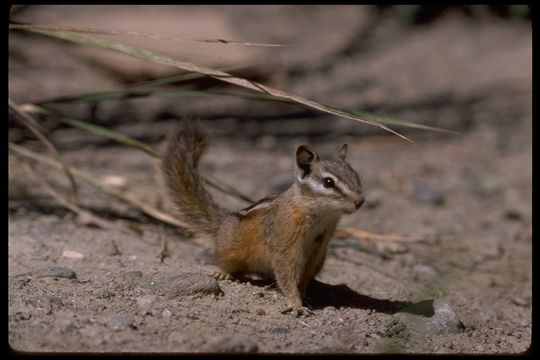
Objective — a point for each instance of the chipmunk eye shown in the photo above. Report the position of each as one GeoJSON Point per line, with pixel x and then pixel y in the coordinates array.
{"type": "Point", "coordinates": [328, 182]}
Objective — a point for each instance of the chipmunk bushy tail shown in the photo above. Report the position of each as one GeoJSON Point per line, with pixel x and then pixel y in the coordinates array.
{"type": "Point", "coordinates": [194, 204]}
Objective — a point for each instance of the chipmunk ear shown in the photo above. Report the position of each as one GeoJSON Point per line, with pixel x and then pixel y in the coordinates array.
{"type": "Point", "coordinates": [342, 152]}
{"type": "Point", "coordinates": [305, 158]}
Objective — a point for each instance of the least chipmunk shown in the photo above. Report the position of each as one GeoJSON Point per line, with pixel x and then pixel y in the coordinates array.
{"type": "Point", "coordinates": [284, 236]}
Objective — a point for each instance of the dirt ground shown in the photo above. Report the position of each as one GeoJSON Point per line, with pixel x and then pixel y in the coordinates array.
{"type": "Point", "coordinates": [466, 290]}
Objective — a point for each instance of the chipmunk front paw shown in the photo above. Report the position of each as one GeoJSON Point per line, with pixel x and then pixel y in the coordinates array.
{"type": "Point", "coordinates": [301, 311]}
{"type": "Point", "coordinates": [222, 276]}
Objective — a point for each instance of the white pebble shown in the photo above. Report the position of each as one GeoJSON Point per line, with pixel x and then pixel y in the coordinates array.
{"type": "Point", "coordinates": [166, 314]}
{"type": "Point", "coordinates": [115, 180]}
{"type": "Point", "coordinates": [72, 254]}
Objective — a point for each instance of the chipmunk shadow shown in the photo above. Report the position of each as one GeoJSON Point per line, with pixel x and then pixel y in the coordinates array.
{"type": "Point", "coordinates": [321, 295]}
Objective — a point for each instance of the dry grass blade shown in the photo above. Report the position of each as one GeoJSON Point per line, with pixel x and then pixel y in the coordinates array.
{"type": "Point", "coordinates": [127, 140]}
{"type": "Point", "coordinates": [367, 236]}
{"type": "Point", "coordinates": [226, 188]}
{"type": "Point", "coordinates": [394, 121]}
{"type": "Point", "coordinates": [136, 33]}
{"type": "Point", "coordinates": [34, 126]}
{"type": "Point", "coordinates": [126, 93]}
{"type": "Point", "coordinates": [85, 217]}
{"type": "Point", "coordinates": [155, 57]}
{"type": "Point", "coordinates": [118, 91]}
{"type": "Point", "coordinates": [125, 197]}
{"type": "Point", "coordinates": [94, 129]}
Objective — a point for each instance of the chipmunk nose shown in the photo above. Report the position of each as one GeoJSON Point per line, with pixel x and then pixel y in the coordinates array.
{"type": "Point", "coordinates": [358, 203]}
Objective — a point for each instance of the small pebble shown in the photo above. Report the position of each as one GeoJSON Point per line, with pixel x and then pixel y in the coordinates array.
{"type": "Point", "coordinates": [166, 314]}
{"type": "Point", "coordinates": [514, 214]}
{"type": "Point", "coordinates": [521, 301]}
{"type": "Point", "coordinates": [428, 194]}
{"type": "Point", "coordinates": [120, 321]}
{"type": "Point", "coordinates": [115, 181]}
{"type": "Point", "coordinates": [487, 187]}
{"type": "Point", "coordinates": [374, 199]}
{"type": "Point", "coordinates": [424, 272]}
{"type": "Point", "coordinates": [176, 337]}
{"type": "Point", "coordinates": [72, 254]}
{"type": "Point", "coordinates": [260, 312]}
{"type": "Point", "coordinates": [329, 309]}
{"type": "Point", "coordinates": [103, 294]}
{"type": "Point", "coordinates": [280, 330]}
{"type": "Point", "coordinates": [230, 344]}
{"type": "Point", "coordinates": [132, 277]}
{"type": "Point", "coordinates": [54, 271]}
{"type": "Point", "coordinates": [145, 302]}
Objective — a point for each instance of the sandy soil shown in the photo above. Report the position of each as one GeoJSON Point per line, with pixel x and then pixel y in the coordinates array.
{"type": "Point", "coordinates": [469, 290]}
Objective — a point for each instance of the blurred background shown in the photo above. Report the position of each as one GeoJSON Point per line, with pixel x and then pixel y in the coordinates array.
{"type": "Point", "coordinates": [457, 80]}
{"type": "Point", "coordinates": [433, 65]}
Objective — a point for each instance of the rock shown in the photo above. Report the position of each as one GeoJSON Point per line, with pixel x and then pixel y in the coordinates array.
{"type": "Point", "coordinates": [487, 187]}
{"type": "Point", "coordinates": [374, 199]}
{"type": "Point", "coordinates": [186, 284]}
{"type": "Point", "coordinates": [424, 272]}
{"type": "Point", "coordinates": [54, 271]}
{"type": "Point", "coordinates": [260, 312]}
{"type": "Point", "coordinates": [435, 317]}
{"type": "Point", "coordinates": [120, 321]}
{"type": "Point", "coordinates": [49, 303]}
{"type": "Point", "coordinates": [72, 254]}
{"type": "Point", "coordinates": [131, 277]}
{"type": "Point", "coordinates": [166, 314]}
{"type": "Point", "coordinates": [176, 337]}
{"type": "Point", "coordinates": [514, 214]}
{"type": "Point", "coordinates": [103, 293]}
{"type": "Point", "coordinates": [43, 257]}
{"type": "Point", "coordinates": [230, 344]}
{"type": "Point", "coordinates": [145, 303]}
{"type": "Point", "coordinates": [428, 194]}
{"type": "Point", "coordinates": [524, 301]}
{"type": "Point", "coordinates": [280, 330]}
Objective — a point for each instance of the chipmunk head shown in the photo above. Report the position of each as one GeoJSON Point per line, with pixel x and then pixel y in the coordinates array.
{"type": "Point", "coordinates": [330, 181]}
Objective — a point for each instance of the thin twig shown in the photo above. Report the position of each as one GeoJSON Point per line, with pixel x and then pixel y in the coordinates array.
{"type": "Point", "coordinates": [367, 236]}
{"type": "Point", "coordinates": [125, 197]}
{"type": "Point", "coordinates": [85, 216]}
{"type": "Point", "coordinates": [164, 250]}
{"type": "Point", "coordinates": [225, 188]}
{"type": "Point", "coordinates": [136, 33]}
{"type": "Point", "coordinates": [34, 126]}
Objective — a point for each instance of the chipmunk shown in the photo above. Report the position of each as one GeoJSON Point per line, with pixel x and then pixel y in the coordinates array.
{"type": "Point", "coordinates": [284, 236]}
